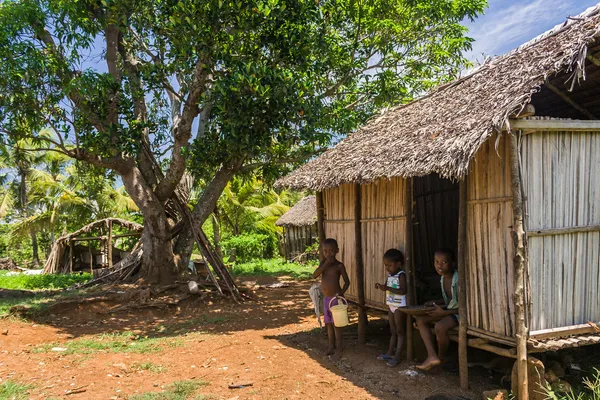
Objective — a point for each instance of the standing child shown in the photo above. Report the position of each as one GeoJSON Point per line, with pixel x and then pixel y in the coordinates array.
{"type": "Point", "coordinates": [445, 265]}
{"type": "Point", "coordinates": [331, 270]}
{"type": "Point", "coordinates": [395, 296]}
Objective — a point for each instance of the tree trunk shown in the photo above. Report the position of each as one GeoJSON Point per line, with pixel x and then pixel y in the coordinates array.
{"type": "Point", "coordinates": [35, 247]}
{"type": "Point", "coordinates": [158, 261]}
{"type": "Point", "coordinates": [206, 205]}
{"type": "Point", "coordinates": [23, 171]}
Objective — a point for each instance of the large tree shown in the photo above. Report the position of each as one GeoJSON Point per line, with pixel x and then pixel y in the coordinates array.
{"type": "Point", "coordinates": [143, 88]}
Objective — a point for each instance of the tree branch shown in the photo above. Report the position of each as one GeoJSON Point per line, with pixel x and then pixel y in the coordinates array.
{"type": "Point", "coordinates": [112, 35]}
{"type": "Point", "coordinates": [182, 131]}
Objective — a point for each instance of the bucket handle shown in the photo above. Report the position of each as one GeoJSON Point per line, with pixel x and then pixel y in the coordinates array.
{"type": "Point", "coordinates": [338, 297]}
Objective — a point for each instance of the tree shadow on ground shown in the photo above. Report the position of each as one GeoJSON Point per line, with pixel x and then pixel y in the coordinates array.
{"type": "Point", "coordinates": [272, 308]}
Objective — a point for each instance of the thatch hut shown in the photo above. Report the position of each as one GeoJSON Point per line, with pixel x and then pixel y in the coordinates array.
{"type": "Point", "coordinates": [299, 227]}
{"type": "Point", "coordinates": [470, 167]}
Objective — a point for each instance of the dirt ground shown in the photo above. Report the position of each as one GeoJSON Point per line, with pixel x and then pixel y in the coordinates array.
{"type": "Point", "coordinates": [274, 344]}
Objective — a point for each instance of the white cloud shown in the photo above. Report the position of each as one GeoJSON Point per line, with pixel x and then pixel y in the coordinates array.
{"type": "Point", "coordinates": [506, 25]}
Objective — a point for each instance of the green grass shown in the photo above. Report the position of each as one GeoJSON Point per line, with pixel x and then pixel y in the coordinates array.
{"type": "Point", "coordinates": [148, 366]}
{"type": "Point", "coordinates": [41, 282]}
{"type": "Point", "coordinates": [180, 390]}
{"type": "Point", "coordinates": [274, 267]}
{"type": "Point", "coordinates": [122, 342]}
{"type": "Point", "coordinates": [14, 391]}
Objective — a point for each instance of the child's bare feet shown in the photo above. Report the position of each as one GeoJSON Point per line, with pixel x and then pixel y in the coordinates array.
{"type": "Point", "coordinates": [336, 356]}
{"type": "Point", "coordinates": [330, 350]}
{"type": "Point", "coordinates": [429, 363]}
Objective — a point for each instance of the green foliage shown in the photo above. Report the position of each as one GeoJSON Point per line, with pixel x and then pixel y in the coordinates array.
{"type": "Point", "coordinates": [179, 390]}
{"type": "Point", "coordinates": [589, 391]}
{"type": "Point", "coordinates": [122, 342]}
{"type": "Point", "coordinates": [273, 81]}
{"type": "Point", "coordinates": [250, 246]}
{"type": "Point", "coordinates": [274, 267]}
{"type": "Point", "coordinates": [12, 390]}
{"type": "Point", "coordinates": [39, 282]}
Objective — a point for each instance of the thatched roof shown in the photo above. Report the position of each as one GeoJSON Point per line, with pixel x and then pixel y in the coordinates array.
{"type": "Point", "coordinates": [441, 132]}
{"type": "Point", "coordinates": [302, 214]}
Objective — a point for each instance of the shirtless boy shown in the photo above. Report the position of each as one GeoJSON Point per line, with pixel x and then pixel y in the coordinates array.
{"type": "Point", "coordinates": [331, 270]}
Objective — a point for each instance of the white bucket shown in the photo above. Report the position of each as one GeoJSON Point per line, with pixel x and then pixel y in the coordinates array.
{"type": "Point", "coordinates": [339, 312]}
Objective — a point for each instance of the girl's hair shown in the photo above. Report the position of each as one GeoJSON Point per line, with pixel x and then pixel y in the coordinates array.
{"type": "Point", "coordinates": [448, 252]}
{"type": "Point", "coordinates": [394, 255]}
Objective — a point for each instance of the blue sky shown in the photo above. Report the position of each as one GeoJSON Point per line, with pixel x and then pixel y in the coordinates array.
{"type": "Point", "coordinates": [509, 23]}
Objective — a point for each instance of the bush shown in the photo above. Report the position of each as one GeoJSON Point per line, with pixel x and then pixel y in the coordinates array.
{"type": "Point", "coordinates": [274, 267]}
{"type": "Point", "coordinates": [250, 246]}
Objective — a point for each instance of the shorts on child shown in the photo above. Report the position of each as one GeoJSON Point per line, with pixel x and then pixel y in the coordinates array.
{"type": "Point", "coordinates": [327, 315]}
{"type": "Point", "coordinates": [392, 308]}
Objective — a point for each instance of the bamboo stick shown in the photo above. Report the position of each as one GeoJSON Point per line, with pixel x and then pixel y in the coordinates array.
{"type": "Point", "coordinates": [462, 285]}
{"type": "Point", "coordinates": [491, 336]}
{"type": "Point", "coordinates": [362, 313]}
{"type": "Point", "coordinates": [562, 231]}
{"type": "Point", "coordinates": [320, 223]}
{"type": "Point", "coordinates": [520, 263]}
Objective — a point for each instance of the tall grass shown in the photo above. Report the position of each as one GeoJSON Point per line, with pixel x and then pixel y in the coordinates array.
{"type": "Point", "coordinates": [40, 282]}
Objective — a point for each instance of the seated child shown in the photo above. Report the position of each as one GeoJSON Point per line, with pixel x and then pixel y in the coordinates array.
{"type": "Point", "coordinates": [331, 270]}
{"type": "Point", "coordinates": [445, 265]}
{"type": "Point", "coordinates": [395, 296]}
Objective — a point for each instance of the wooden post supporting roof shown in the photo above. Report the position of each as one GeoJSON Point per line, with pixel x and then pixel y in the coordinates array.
{"type": "Point", "coordinates": [520, 264]}
{"type": "Point", "coordinates": [360, 277]}
{"type": "Point", "coordinates": [409, 264]}
{"type": "Point", "coordinates": [110, 244]}
{"type": "Point", "coordinates": [320, 222]}
{"type": "Point", "coordinates": [462, 285]}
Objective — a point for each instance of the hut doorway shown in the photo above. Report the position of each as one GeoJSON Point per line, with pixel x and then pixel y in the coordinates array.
{"type": "Point", "coordinates": [435, 222]}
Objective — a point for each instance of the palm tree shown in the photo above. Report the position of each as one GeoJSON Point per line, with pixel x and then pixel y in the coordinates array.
{"type": "Point", "coordinates": [22, 157]}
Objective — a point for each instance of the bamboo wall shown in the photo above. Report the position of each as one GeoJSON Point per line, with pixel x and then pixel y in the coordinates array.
{"type": "Point", "coordinates": [562, 185]}
{"type": "Point", "coordinates": [339, 224]}
{"type": "Point", "coordinates": [298, 238]}
{"type": "Point", "coordinates": [383, 227]}
{"type": "Point", "coordinates": [489, 243]}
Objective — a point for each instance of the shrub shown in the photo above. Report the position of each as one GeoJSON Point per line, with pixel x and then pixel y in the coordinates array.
{"type": "Point", "coordinates": [251, 246]}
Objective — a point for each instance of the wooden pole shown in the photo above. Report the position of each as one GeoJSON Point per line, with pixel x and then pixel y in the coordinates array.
{"type": "Point", "coordinates": [71, 256]}
{"type": "Point", "coordinates": [110, 244]}
{"type": "Point", "coordinates": [91, 257]}
{"type": "Point", "coordinates": [462, 285]}
{"type": "Point", "coordinates": [409, 264]}
{"type": "Point", "coordinates": [320, 222]}
{"type": "Point", "coordinates": [520, 263]}
{"type": "Point", "coordinates": [362, 312]}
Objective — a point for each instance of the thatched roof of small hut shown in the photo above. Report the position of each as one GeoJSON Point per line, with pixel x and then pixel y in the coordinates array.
{"type": "Point", "coordinates": [302, 214]}
{"type": "Point", "coordinates": [441, 132]}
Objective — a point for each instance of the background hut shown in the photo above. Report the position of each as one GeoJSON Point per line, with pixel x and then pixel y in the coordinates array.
{"type": "Point", "coordinates": [299, 227]}
{"type": "Point", "coordinates": [518, 197]}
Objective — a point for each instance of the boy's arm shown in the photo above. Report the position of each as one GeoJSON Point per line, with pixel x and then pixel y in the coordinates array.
{"type": "Point", "coordinates": [345, 277]}
{"type": "Point", "coordinates": [321, 268]}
